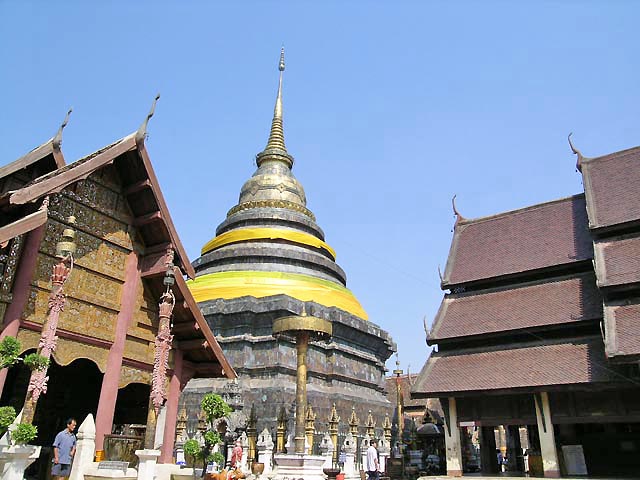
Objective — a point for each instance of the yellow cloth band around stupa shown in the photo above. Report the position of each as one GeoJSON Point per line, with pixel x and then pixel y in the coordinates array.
{"type": "Point", "coordinates": [228, 285]}
{"type": "Point", "coordinates": [242, 234]}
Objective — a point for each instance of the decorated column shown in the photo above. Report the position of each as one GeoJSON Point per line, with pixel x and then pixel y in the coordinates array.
{"type": "Point", "coordinates": [309, 428]}
{"type": "Point", "coordinates": [48, 340]}
{"type": "Point", "coordinates": [334, 420]}
{"type": "Point", "coordinates": [281, 431]}
{"type": "Point", "coordinates": [252, 433]}
{"type": "Point", "coordinates": [161, 353]}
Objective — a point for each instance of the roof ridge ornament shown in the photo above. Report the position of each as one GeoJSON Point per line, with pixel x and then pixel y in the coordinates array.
{"type": "Point", "coordinates": [57, 140]}
{"type": "Point", "coordinates": [276, 148]}
{"type": "Point", "coordinates": [459, 217]}
{"type": "Point", "coordinates": [581, 157]}
{"type": "Point", "coordinates": [141, 134]}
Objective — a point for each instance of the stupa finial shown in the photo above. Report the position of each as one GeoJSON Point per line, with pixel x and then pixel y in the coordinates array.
{"type": "Point", "coordinates": [276, 149]}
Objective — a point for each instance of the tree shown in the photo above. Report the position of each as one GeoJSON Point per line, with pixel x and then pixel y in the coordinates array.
{"type": "Point", "coordinates": [214, 408]}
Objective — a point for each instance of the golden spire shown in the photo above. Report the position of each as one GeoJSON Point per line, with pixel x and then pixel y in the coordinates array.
{"type": "Point", "coordinates": [276, 149]}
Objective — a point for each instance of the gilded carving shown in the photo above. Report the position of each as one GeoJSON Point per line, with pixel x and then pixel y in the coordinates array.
{"type": "Point", "coordinates": [144, 325]}
{"type": "Point", "coordinates": [272, 204]}
{"type": "Point", "coordinates": [28, 339]}
{"type": "Point", "coordinates": [92, 253]}
{"type": "Point", "coordinates": [139, 349]}
{"type": "Point", "coordinates": [90, 220]}
{"type": "Point", "coordinates": [77, 316]}
{"type": "Point", "coordinates": [8, 265]}
{"type": "Point", "coordinates": [83, 285]}
{"type": "Point", "coordinates": [68, 351]}
{"type": "Point", "coordinates": [133, 375]}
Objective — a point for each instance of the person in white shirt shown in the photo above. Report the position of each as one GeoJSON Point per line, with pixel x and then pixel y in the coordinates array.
{"type": "Point", "coordinates": [372, 460]}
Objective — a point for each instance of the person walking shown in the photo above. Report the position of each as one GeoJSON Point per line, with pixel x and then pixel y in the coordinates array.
{"type": "Point", "coordinates": [372, 461]}
{"type": "Point", "coordinates": [64, 447]}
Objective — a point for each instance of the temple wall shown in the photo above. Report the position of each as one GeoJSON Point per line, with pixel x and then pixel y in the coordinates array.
{"type": "Point", "coordinates": [104, 238]}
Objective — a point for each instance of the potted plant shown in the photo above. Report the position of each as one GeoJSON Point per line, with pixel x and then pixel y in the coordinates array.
{"type": "Point", "coordinates": [214, 408]}
{"type": "Point", "coordinates": [7, 416]}
{"type": "Point", "coordinates": [192, 451]}
{"type": "Point", "coordinates": [24, 433]}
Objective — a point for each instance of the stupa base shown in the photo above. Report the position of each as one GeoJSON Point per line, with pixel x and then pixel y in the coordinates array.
{"type": "Point", "coordinates": [295, 466]}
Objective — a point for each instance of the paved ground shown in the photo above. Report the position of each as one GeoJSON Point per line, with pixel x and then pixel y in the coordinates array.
{"type": "Point", "coordinates": [476, 476]}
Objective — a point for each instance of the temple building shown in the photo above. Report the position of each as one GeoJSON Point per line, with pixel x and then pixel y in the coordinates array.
{"type": "Point", "coordinates": [539, 328]}
{"type": "Point", "coordinates": [92, 278]}
{"type": "Point", "coordinates": [269, 259]}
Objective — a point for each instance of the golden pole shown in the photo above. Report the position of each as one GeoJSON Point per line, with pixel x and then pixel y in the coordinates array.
{"type": "Point", "coordinates": [302, 344]}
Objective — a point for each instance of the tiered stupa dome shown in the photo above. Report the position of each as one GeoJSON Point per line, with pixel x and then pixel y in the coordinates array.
{"type": "Point", "coordinates": [270, 243]}
{"type": "Point", "coordinates": [269, 260]}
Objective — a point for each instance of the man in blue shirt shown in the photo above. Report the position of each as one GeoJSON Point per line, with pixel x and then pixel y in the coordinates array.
{"type": "Point", "coordinates": [64, 447]}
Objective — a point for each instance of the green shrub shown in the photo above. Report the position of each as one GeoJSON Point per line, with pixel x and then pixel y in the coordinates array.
{"type": "Point", "coordinates": [36, 361]}
{"type": "Point", "coordinates": [214, 407]}
{"type": "Point", "coordinates": [192, 449]}
{"type": "Point", "coordinates": [218, 458]}
{"type": "Point", "coordinates": [7, 416]}
{"type": "Point", "coordinates": [211, 438]}
{"type": "Point", "coordinates": [24, 433]}
{"type": "Point", "coordinates": [9, 351]}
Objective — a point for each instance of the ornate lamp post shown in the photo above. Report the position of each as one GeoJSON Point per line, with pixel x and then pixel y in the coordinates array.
{"type": "Point", "coordinates": [303, 328]}
{"type": "Point", "coordinates": [48, 340]}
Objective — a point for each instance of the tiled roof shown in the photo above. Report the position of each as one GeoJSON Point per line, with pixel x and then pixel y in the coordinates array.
{"type": "Point", "coordinates": [578, 361]}
{"type": "Point", "coordinates": [622, 323]}
{"type": "Point", "coordinates": [618, 261]}
{"type": "Point", "coordinates": [554, 302]}
{"type": "Point", "coordinates": [612, 187]}
{"type": "Point", "coordinates": [535, 237]}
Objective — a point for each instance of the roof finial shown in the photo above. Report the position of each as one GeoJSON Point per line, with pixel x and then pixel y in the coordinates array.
{"type": "Point", "coordinates": [440, 274]}
{"type": "Point", "coordinates": [57, 140]}
{"type": "Point", "coordinates": [276, 149]}
{"type": "Point", "coordinates": [577, 152]}
{"type": "Point", "coordinates": [459, 218]}
{"type": "Point", "coordinates": [142, 131]}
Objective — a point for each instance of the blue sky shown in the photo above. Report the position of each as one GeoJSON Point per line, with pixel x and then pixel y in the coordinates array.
{"type": "Point", "coordinates": [390, 109]}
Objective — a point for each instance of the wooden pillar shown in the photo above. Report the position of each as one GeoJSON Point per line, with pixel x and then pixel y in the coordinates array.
{"type": "Point", "coordinates": [172, 409]}
{"type": "Point", "coordinates": [514, 448]}
{"type": "Point", "coordinates": [488, 450]}
{"type": "Point", "coordinates": [550, 463]}
{"type": "Point", "coordinates": [111, 379]}
{"type": "Point", "coordinates": [452, 439]}
{"type": "Point", "coordinates": [21, 288]}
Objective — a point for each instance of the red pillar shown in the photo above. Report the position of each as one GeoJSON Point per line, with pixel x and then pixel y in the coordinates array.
{"type": "Point", "coordinates": [111, 379]}
{"type": "Point", "coordinates": [171, 417]}
{"type": "Point", "coordinates": [21, 287]}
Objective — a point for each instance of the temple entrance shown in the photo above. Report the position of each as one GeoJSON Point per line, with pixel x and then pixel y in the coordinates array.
{"type": "Point", "coordinates": [72, 391]}
{"type": "Point", "coordinates": [132, 407]}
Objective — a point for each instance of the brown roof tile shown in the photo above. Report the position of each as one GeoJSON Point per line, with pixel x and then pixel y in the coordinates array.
{"type": "Point", "coordinates": [622, 324]}
{"type": "Point", "coordinates": [554, 302]}
{"type": "Point", "coordinates": [612, 187]}
{"type": "Point", "coordinates": [535, 237]}
{"type": "Point", "coordinates": [618, 261]}
{"type": "Point", "coordinates": [578, 361]}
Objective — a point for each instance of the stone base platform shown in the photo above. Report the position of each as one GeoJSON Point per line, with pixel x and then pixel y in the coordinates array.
{"type": "Point", "coordinates": [295, 466]}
